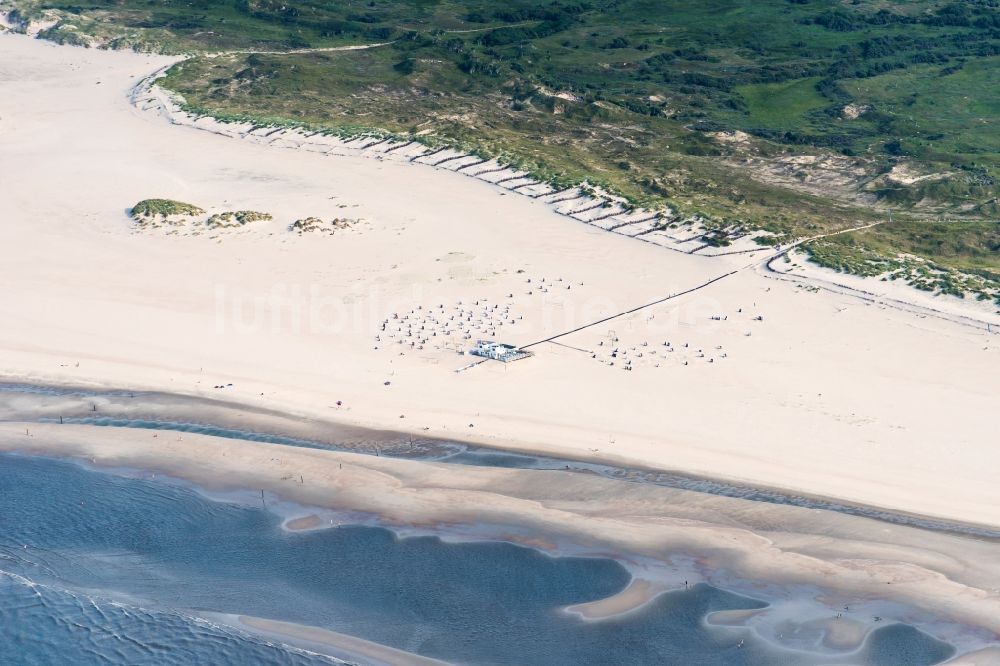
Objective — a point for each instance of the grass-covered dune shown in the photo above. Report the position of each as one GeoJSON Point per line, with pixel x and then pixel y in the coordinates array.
{"type": "Point", "coordinates": [151, 208]}
{"type": "Point", "coordinates": [707, 107]}
{"type": "Point", "coordinates": [157, 212]}
{"type": "Point", "coordinates": [237, 218]}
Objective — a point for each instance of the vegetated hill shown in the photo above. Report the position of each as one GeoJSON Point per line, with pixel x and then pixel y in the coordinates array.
{"type": "Point", "coordinates": [793, 115]}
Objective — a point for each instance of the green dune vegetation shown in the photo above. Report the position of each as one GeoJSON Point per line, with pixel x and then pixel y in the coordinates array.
{"type": "Point", "coordinates": [149, 209]}
{"type": "Point", "coordinates": [160, 212]}
{"type": "Point", "coordinates": [237, 218]}
{"type": "Point", "coordinates": [793, 116]}
{"type": "Point", "coordinates": [316, 225]}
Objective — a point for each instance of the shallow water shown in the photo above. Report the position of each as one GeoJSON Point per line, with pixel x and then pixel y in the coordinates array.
{"type": "Point", "coordinates": [99, 568]}
{"type": "Point", "coordinates": [50, 625]}
{"type": "Point", "coordinates": [38, 389]}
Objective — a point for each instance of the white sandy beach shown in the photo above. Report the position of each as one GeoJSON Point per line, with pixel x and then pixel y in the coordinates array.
{"type": "Point", "coordinates": [827, 395]}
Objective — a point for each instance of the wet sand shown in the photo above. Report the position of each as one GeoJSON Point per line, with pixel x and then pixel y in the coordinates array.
{"type": "Point", "coordinates": [759, 549]}
{"type": "Point", "coordinates": [304, 523]}
{"type": "Point", "coordinates": [986, 657]}
{"type": "Point", "coordinates": [639, 593]}
{"type": "Point", "coordinates": [336, 644]}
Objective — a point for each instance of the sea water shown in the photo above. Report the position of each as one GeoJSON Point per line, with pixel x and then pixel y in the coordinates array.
{"type": "Point", "coordinates": [97, 568]}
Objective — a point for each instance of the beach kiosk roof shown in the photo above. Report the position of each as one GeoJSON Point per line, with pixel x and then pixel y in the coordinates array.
{"type": "Point", "coordinates": [498, 351]}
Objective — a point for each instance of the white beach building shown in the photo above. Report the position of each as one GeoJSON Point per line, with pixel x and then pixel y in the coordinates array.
{"type": "Point", "coordinates": [498, 351]}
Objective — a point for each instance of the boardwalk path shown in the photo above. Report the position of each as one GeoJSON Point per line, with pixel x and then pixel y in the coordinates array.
{"type": "Point", "coordinates": [765, 262]}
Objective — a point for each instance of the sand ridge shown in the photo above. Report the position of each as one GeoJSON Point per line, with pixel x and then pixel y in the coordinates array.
{"type": "Point", "coordinates": [638, 593]}
{"type": "Point", "coordinates": [342, 645]}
